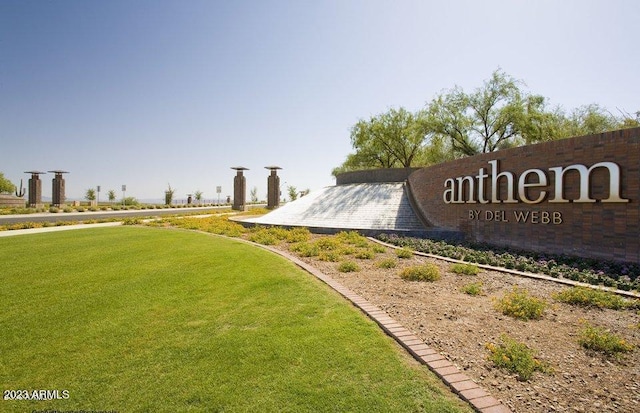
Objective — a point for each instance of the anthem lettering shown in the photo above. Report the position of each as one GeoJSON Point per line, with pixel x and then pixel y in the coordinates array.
{"type": "Point", "coordinates": [473, 189]}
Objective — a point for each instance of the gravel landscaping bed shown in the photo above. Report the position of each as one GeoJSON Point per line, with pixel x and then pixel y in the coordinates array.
{"type": "Point", "coordinates": [460, 326]}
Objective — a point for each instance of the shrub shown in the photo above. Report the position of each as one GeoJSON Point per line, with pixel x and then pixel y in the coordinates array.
{"type": "Point", "coordinates": [425, 272]}
{"type": "Point", "coordinates": [298, 235]}
{"type": "Point", "coordinates": [516, 358]}
{"type": "Point", "coordinates": [80, 209]}
{"type": "Point", "coordinates": [589, 297]}
{"type": "Point", "coordinates": [378, 249]}
{"type": "Point", "coordinates": [364, 254]}
{"type": "Point", "coordinates": [602, 341]}
{"type": "Point", "coordinates": [54, 210]}
{"type": "Point", "coordinates": [67, 209]}
{"type": "Point", "coordinates": [353, 238]}
{"type": "Point", "coordinates": [331, 256]}
{"type": "Point", "coordinates": [472, 289]}
{"type": "Point", "coordinates": [519, 304]}
{"type": "Point", "coordinates": [348, 266]}
{"type": "Point", "coordinates": [131, 221]}
{"type": "Point", "coordinates": [386, 263]}
{"type": "Point", "coordinates": [328, 243]}
{"type": "Point", "coordinates": [305, 249]}
{"type": "Point", "coordinates": [404, 253]}
{"type": "Point", "coordinates": [465, 269]}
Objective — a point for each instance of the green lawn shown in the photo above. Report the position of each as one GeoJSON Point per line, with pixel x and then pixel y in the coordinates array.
{"type": "Point", "coordinates": [145, 319]}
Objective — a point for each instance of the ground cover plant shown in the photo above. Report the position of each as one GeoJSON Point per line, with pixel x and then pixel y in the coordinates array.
{"type": "Point", "coordinates": [520, 304]}
{"type": "Point", "coordinates": [465, 269]}
{"type": "Point", "coordinates": [424, 272]}
{"type": "Point", "coordinates": [472, 288]}
{"type": "Point", "coordinates": [516, 358]}
{"type": "Point", "coordinates": [624, 276]}
{"type": "Point", "coordinates": [147, 319]}
{"type": "Point", "coordinates": [588, 297]}
{"type": "Point", "coordinates": [602, 341]}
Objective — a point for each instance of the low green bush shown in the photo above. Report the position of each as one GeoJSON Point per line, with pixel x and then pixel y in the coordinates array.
{"type": "Point", "coordinates": [364, 254]}
{"type": "Point", "coordinates": [331, 256]}
{"type": "Point", "coordinates": [353, 238]}
{"type": "Point", "coordinates": [603, 341]}
{"type": "Point", "coordinates": [424, 272]}
{"type": "Point", "coordinates": [404, 253]}
{"type": "Point", "coordinates": [386, 263]}
{"type": "Point", "coordinates": [305, 249]}
{"type": "Point", "coordinates": [348, 266]}
{"type": "Point", "coordinates": [298, 235]}
{"type": "Point", "coordinates": [465, 269]}
{"type": "Point", "coordinates": [54, 210]}
{"type": "Point", "coordinates": [519, 304]}
{"type": "Point", "coordinates": [515, 357]}
{"type": "Point", "coordinates": [589, 297]}
{"type": "Point", "coordinates": [472, 288]}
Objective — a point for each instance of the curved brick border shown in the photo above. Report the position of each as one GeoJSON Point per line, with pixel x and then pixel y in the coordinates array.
{"type": "Point", "coordinates": [460, 383]}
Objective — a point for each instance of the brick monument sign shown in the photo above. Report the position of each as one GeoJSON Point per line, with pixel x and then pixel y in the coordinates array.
{"type": "Point", "coordinates": [577, 196]}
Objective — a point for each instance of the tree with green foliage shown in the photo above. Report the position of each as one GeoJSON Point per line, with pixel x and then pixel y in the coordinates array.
{"type": "Point", "coordinates": [393, 139]}
{"type": "Point", "coordinates": [498, 115]}
{"type": "Point", "coordinates": [90, 195]}
{"type": "Point", "coordinates": [111, 195]}
{"type": "Point", "coordinates": [198, 196]}
{"type": "Point", "coordinates": [168, 195]}
{"type": "Point", "coordinates": [293, 192]}
{"type": "Point", "coordinates": [6, 186]}
{"type": "Point", "coordinates": [254, 194]}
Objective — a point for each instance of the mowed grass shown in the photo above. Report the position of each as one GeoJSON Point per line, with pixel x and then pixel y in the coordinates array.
{"type": "Point", "coordinates": [144, 320]}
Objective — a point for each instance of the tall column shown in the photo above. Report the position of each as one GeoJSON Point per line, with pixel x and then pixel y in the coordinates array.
{"type": "Point", "coordinates": [57, 194]}
{"type": "Point", "coordinates": [273, 188]}
{"type": "Point", "coordinates": [239, 189]}
{"type": "Point", "coordinates": [35, 189]}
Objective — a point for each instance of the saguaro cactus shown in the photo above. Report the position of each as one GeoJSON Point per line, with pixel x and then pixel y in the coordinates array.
{"type": "Point", "coordinates": [20, 192]}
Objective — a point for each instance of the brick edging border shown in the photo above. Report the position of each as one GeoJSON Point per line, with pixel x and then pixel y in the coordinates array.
{"type": "Point", "coordinates": [461, 384]}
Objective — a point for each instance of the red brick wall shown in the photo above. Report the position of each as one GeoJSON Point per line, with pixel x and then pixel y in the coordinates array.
{"type": "Point", "coordinates": [596, 229]}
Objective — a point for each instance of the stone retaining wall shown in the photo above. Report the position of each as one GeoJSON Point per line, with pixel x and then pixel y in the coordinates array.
{"type": "Point", "coordinates": [11, 201]}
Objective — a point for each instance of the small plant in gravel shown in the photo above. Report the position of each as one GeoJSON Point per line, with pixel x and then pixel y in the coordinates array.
{"type": "Point", "coordinates": [519, 304]}
{"type": "Point", "coordinates": [424, 272]}
{"type": "Point", "coordinates": [305, 249]}
{"type": "Point", "coordinates": [131, 221]}
{"type": "Point", "coordinates": [298, 235]}
{"type": "Point", "coordinates": [472, 288]}
{"type": "Point", "coordinates": [589, 297]}
{"type": "Point", "coordinates": [348, 266]}
{"type": "Point", "coordinates": [331, 256]}
{"type": "Point", "coordinates": [353, 238]}
{"type": "Point", "coordinates": [516, 357]}
{"type": "Point", "coordinates": [404, 253]}
{"type": "Point", "coordinates": [54, 210]}
{"type": "Point", "coordinates": [364, 254]}
{"type": "Point", "coordinates": [464, 269]}
{"type": "Point", "coordinates": [603, 341]}
{"type": "Point", "coordinates": [386, 263]}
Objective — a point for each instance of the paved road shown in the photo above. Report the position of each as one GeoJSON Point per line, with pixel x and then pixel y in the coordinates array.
{"type": "Point", "coordinates": [85, 216]}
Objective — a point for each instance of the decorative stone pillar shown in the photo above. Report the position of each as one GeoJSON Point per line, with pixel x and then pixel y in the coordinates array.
{"type": "Point", "coordinates": [273, 188]}
{"type": "Point", "coordinates": [239, 189]}
{"type": "Point", "coordinates": [57, 194]}
{"type": "Point", "coordinates": [35, 189]}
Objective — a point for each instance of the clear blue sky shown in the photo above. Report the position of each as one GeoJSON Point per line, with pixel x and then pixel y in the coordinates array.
{"type": "Point", "coordinates": [147, 93]}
